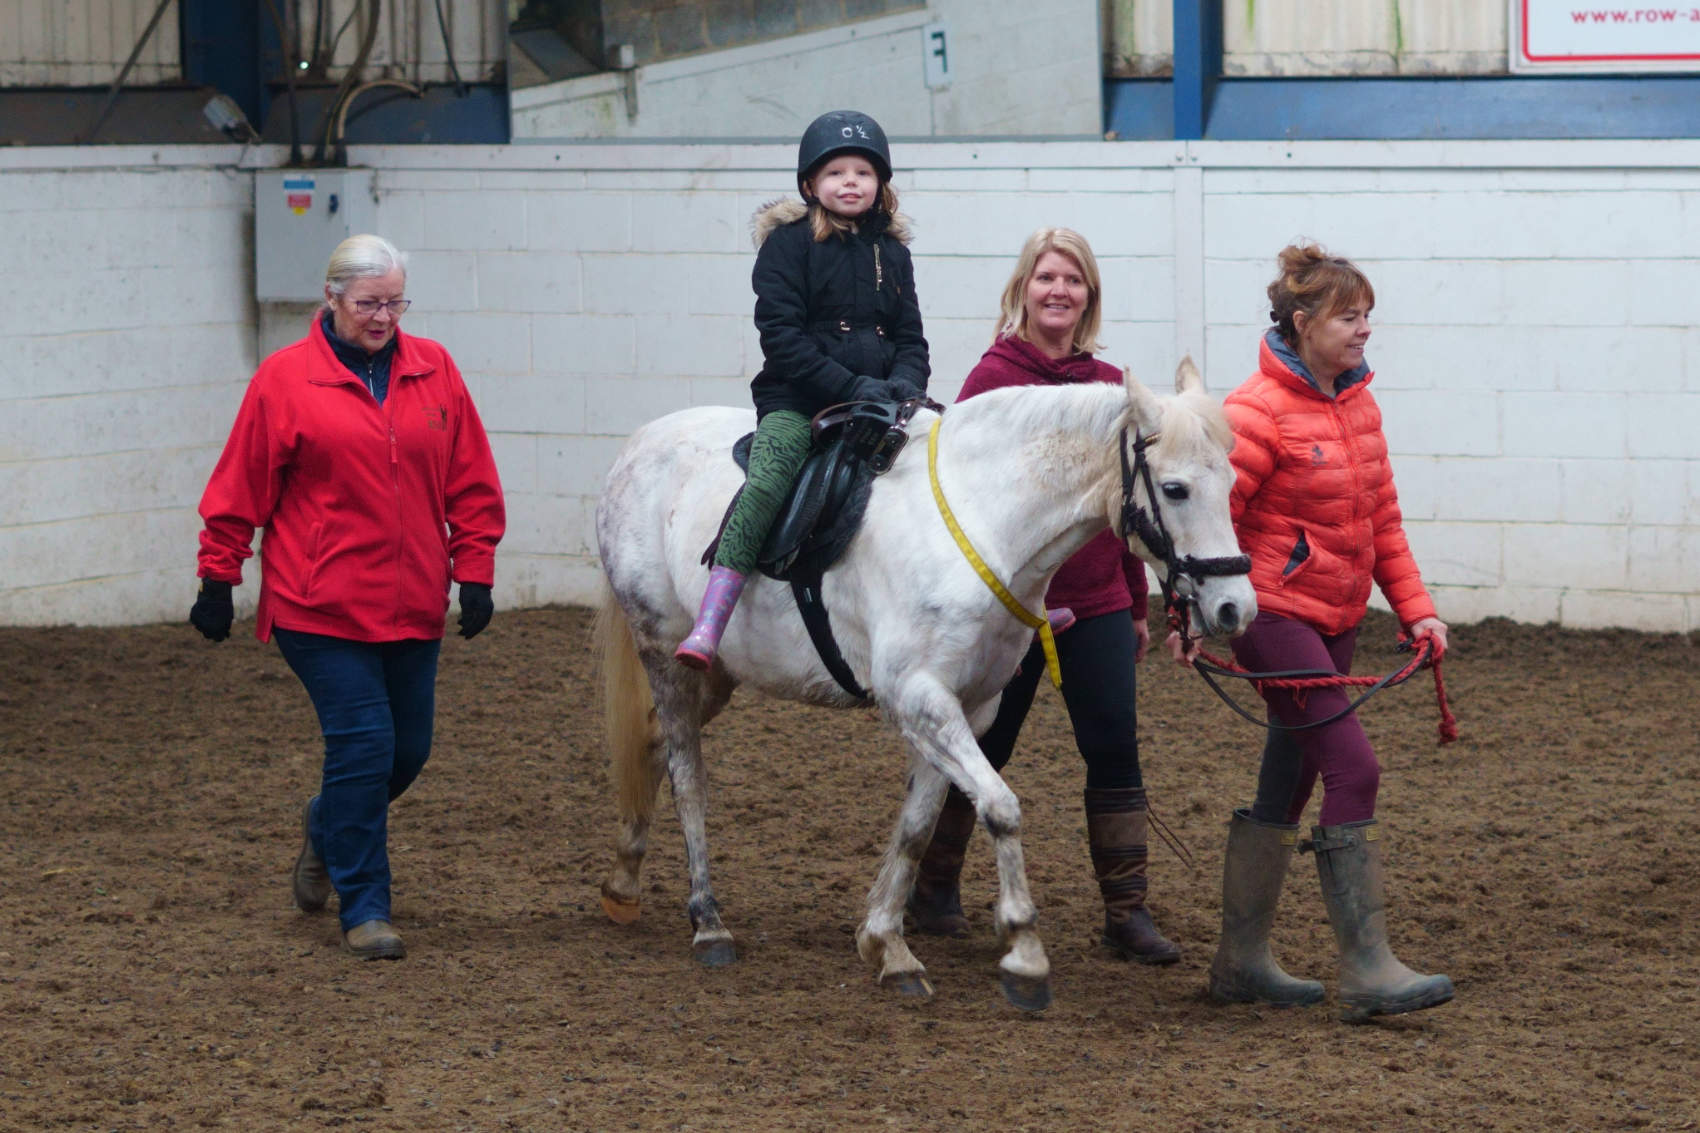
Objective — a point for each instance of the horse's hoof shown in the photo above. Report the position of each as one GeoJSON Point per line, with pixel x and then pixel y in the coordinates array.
{"type": "Point", "coordinates": [619, 909]}
{"type": "Point", "coordinates": [910, 985]}
{"type": "Point", "coordinates": [715, 953]}
{"type": "Point", "coordinates": [1026, 992]}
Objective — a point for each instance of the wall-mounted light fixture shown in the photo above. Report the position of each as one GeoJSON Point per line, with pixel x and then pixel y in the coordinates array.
{"type": "Point", "coordinates": [227, 118]}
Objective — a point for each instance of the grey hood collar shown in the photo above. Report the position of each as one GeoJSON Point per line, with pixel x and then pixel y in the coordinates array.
{"type": "Point", "coordinates": [1290, 358]}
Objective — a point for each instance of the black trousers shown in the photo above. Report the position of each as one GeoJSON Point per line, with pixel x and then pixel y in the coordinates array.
{"type": "Point", "coordinates": [1097, 659]}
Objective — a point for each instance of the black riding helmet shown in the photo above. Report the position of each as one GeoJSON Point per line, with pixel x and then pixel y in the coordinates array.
{"type": "Point", "coordinates": [842, 131]}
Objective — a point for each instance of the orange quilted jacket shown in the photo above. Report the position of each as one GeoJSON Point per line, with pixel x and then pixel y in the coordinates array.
{"type": "Point", "coordinates": [1313, 500]}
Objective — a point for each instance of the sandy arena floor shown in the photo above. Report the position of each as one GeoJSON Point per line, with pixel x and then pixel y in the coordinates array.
{"type": "Point", "coordinates": [154, 974]}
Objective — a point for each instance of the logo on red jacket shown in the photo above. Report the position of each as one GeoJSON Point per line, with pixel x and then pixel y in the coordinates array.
{"type": "Point", "coordinates": [1318, 458]}
{"type": "Point", "coordinates": [437, 417]}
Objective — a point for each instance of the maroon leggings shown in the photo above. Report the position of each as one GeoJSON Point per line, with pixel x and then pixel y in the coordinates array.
{"type": "Point", "coordinates": [1338, 751]}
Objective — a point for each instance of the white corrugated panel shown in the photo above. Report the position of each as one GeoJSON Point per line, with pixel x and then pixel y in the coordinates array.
{"type": "Point", "coordinates": [410, 41]}
{"type": "Point", "coordinates": [1319, 37]}
{"type": "Point", "coordinates": [85, 42]}
{"type": "Point", "coordinates": [1138, 37]}
{"type": "Point", "coordinates": [1363, 37]}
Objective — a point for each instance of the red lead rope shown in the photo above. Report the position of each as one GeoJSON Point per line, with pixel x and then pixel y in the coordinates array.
{"type": "Point", "coordinates": [1296, 682]}
{"type": "Point", "coordinates": [1448, 722]}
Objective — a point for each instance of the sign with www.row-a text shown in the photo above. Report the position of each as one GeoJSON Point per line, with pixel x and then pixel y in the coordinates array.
{"type": "Point", "coordinates": [1577, 36]}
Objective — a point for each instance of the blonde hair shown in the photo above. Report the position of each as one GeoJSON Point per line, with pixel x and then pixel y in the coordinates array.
{"type": "Point", "coordinates": [823, 222]}
{"type": "Point", "coordinates": [1316, 283]}
{"type": "Point", "coordinates": [361, 257]}
{"type": "Point", "coordinates": [1012, 318]}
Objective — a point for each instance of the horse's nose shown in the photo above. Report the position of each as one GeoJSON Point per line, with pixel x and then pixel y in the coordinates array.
{"type": "Point", "coordinates": [1228, 618]}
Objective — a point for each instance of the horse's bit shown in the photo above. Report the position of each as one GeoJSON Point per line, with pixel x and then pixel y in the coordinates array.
{"type": "Point", "coordinates": [1148, 527]}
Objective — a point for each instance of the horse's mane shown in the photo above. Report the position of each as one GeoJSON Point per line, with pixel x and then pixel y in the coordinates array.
{"type": "Point", "coordinates": [1025, 411]}
{"type": "Point", "coordinates": [1193, 420]}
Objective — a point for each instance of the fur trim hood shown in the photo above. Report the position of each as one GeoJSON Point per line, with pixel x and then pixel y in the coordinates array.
{"type": "Point", "coordinates": [786, 210]}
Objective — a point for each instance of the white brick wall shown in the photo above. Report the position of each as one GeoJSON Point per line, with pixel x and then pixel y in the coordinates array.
{"type": "Point", "coordinates": [127, 331]}
{"type": "Point", "coordinates": [1537, 369]}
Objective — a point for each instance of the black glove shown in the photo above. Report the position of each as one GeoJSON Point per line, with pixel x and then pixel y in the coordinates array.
{"type": "Point", "coordinates": [902, 389]}
{"type": "Point", "coordinates": [213, 610]}
{"type": "Point", "coordinates": [475, 608]}
{"type": "Point", "coordinates": [865, 388]}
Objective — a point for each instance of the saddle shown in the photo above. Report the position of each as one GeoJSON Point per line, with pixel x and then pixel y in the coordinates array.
{"type": "Point", "coordinates": [851, 444]}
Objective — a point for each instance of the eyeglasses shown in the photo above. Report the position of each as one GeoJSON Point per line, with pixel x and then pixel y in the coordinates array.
{"type": "Point", "coordinates": [370, 306]}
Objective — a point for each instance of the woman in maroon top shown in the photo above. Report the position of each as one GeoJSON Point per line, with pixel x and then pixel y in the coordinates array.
{"type": "Point", "coordinates": [1046, 333]}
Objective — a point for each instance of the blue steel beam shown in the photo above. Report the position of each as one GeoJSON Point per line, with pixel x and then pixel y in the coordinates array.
{"type": "Point", "coordinates": [221, 49]}
{"type": "Point", "coordinates": [1198, 64]}
{"type": "Point", "coordinates": [1544, 106]}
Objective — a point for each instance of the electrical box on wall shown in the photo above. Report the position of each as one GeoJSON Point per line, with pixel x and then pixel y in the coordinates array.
{"type": "Point", "coordinates": [300, 215]}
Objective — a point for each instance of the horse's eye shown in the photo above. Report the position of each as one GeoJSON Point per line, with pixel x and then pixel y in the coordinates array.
{"type": "Point", "coordinates": [1173, 490]}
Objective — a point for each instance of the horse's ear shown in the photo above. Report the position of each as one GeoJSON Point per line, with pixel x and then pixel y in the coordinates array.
{"type": "Point", "coordinates": [1147, 410]}
{"type": "Point", "coordinates": [1187, 376]}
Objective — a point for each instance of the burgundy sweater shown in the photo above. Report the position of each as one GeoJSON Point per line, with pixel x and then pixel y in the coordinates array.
{"type": "Point", "coordinates": [1103, 576]}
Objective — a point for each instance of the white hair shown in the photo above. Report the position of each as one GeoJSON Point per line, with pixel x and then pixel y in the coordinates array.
{"type": "Point", "coordinates": [361, 257]}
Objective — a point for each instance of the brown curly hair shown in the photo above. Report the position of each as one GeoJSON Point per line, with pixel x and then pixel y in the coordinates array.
{"type": "Point", "coordinates": [1316, 283]}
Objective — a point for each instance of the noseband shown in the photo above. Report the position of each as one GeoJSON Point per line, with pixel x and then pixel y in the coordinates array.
{"type": "Point", "coordinates": [1148, 527]}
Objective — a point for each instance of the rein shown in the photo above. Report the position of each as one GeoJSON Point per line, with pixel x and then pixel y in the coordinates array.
{"type": "Point", "coordinates": [1022, 614]}
{"type": "Point", "coordinates": [1148, 527]}
{"type": "Point", "coordinates": [1210, 667]}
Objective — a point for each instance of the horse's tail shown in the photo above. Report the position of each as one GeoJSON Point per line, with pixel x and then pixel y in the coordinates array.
{"type": "Point", "coordinates": [628, 710]}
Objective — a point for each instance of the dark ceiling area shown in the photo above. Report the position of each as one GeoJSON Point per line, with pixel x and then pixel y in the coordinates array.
{"type": "Point", "coordinates": [241, 84]}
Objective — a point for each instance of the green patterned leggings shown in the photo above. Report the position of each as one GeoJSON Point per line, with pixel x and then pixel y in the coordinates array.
{"type": "Point", "coordinates": [776, 456]}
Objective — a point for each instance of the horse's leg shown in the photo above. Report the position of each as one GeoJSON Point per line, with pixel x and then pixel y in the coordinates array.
{"type": "Point", "coordinates": [880, 939]}
{"type": "Point", "coordinates": [621, 899]}
{"type": "Point", "coordinates": [931, 719]}
{"type": "Point", "coordinates": [685, 700]}
{"type": "Point", "coordinates": [636, 756]}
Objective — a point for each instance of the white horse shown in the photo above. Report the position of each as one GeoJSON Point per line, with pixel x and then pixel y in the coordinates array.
{"type": "Point", "coordinates": [1031, 474]}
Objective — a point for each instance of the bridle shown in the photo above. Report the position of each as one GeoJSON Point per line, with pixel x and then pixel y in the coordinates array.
{"type": "Point", "coordinates": [1148, 528]}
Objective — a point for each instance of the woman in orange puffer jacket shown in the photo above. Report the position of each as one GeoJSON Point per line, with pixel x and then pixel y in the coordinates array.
{"type": "Point", "coordinates": [1315, 508]}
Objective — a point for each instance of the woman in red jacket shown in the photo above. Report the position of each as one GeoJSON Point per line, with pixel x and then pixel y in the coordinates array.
{"type": "Point", "coordinates": [1046, 333]}
{"type": "Point", "coordinates": [1315, 508]}
{"type": "Point", "coordinates": [360, 454]}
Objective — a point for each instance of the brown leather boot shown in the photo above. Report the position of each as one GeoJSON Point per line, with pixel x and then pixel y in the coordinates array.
{"type": "Point", "coordinates": [1115, 827]}
{"type": "Point", "coordinates": [935, 904]}
{"type": "Point", "coordinates": [374, 940]}
{"type": "Point", "coordinates": [309, 881]}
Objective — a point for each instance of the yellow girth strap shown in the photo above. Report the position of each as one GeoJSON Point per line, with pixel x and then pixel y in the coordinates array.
{"type": "Point", "coordinates": [1038, 621]}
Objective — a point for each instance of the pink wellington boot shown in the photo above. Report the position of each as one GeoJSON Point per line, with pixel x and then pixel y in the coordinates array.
{"type": "Point", "coordinates": [697, 651]}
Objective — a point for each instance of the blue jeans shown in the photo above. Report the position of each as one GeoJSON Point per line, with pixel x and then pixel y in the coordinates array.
{"type": "Point", "coordinates": [376, 702]}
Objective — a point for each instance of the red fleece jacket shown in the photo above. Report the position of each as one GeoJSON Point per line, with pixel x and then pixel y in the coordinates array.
{"type": "Point", "coordinates": [1103, 576]}
{"type": "Point", "coordinates": [368, 510]}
